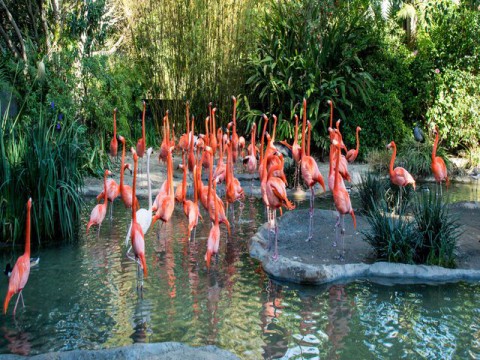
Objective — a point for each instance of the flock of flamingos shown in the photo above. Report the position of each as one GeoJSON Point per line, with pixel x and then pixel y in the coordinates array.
{"type": "Point", "coordinates": [199, 152]}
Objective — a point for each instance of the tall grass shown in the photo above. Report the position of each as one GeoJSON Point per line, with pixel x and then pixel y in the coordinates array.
{"type": "Point", "coordinates": [44, 162]}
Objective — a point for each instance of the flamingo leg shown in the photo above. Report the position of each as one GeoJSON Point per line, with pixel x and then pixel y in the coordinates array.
{"type": "Point", "coordinates": [337, 225]}
{"type": "Point", "coordinates": [440, 183]}
{"type": "Point", "coordinates": [16, 302]}
{"type": "Point", "coordinates": [275, 252]}
{"type": "Point", "coordinates": [342, 232]}
{"type": "Point", "coordinates": [111, 212]}
{"type": "Point", "coordinates": [98, 230]}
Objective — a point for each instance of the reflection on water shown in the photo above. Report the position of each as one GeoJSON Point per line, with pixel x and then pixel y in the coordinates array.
{"type": "Point", "coordinates": [84, 296]}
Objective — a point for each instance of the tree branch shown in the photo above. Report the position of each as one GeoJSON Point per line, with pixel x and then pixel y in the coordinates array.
{"type": "Point", "coordinates": [112, 49]}
{"type": "Point", "coordinates": [9, 42]}
{"type": "Point", "coordinates": [17, 30]}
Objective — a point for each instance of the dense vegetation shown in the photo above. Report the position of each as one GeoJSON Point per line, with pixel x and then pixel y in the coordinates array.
{"type": "Point", "coordinates": [385, 64]}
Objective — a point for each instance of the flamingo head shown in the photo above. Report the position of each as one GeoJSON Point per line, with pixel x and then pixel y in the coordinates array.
{"type": "Point", "coordinates": [115, 110]}
{"type": "Point", "coordinates": [149, 151]}
{"type": "Point", "coordinates": [121, 139]}
{"type": "Point", "coordinates": [435, 130]}
{"type": "Point", "coordinates": [234, 99]}
{"type": "Point", "coordinates": [135, 156]}
{"type": "Point", "coordinates": [337, 124]}
{"type": "Point", "coordinates": [129, 167]}
{"type": "Point", "coordinates": [144, 104]}
{"type": "Point", "coordinates": [230, 124]}
{"type": "Point", "coordinates": [391, 144]}
{"type": "Point", "coordinates": [208, 149]}
{"type": "Point", "coordinates": [108, 173]}
{"type": "Point", "coordinates": [359, 128]}
{"type": "Point", "coordinates": [329, 102]}
{"type": "Point", "coordinates": [214, 110]}
{"type": "Point", "coordinates": [29, 203]}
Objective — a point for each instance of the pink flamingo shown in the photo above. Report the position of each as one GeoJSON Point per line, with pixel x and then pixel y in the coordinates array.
{"type": "Point", "coordinates": [399, 176]}
{"type": "Point", "coordinates": [114, 143]}
{"type": "Point", "coordinates": [250, 161]}
{"type": "Point", "coordinates": [213, 242]}
{"type": "Point", "coordinates": [341, 199]}
{"type": "Point", "coordinates": [125, 190]}
{"type": "Point", "coordinates": [190, 208]}
{"type": "Point", "coordinates": [353, 153]}
{"type": "Point", "coordinates": [113, 190]}
{"type": "Point", "coordinates": [136, 235]}
{"type": "Point", "coordinates": [439, 168]}
{"type": "Point", "coordinates": [141, 143]}
{"type": "Point", "coordinates": [234, 132]}
{"type": "Point", "coordinates": [20, 272]}
{"type": "Point", "coordinates": [277, 197]}
{"type": "Point", "coordinates": [310, 173]}
{"type": "Point", "coordinates": [100, 210]}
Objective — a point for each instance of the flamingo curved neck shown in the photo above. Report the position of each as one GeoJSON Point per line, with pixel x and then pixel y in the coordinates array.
{"type": "Point", "coordinates": [253, 141]}
{"type": "Point", "coordinates": [295, 139]}
{"type": "Point", "coordinates": [435, 144]}
{"type": "Point", "coordinates": [28, 227]}
{"type": "Point", "coordinates": [337, 169]}
{"type": "Point", "coordinates": [149, 182]}
{"type": "Point", "coordinates": [304, 124]}
{"type": "Point", "coordinates": [331, 114]}
{"type": "Point", "coordinates": [358, 142]}
{"type": "Point", "coordinates": [122, 170]}
{"type": "Point", "coordinates": [134, 186]}
{"type": "Point", "coordinates": [114, 124]}
{"type": "Point", "coordinates": [184, 180]}
{"type": "Point", "coordinates": [105, 197]}
{"type": "Point", "coordinates": [392, 160]}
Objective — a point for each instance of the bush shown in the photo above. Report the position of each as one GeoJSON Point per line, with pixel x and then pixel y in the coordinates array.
{"type": "Point", "coordinates": [42, 161]}
{"type": "Point", "coordinates": [393, 237]}
{"type": "Point", "coordinates": [438, 231]}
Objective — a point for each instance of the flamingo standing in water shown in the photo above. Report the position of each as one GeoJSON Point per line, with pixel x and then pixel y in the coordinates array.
{"type": "Point", "coordinates": [250, 161]}
{"type": "Point", "coordinates": [166, 203]}
{"type": "Point", "coordinates": [181, 191]}
{"type": "Point", "coordinates": [213, 242]}
{"type": "Point", "coordinates": [20, 272]}
{"type": "Point", "coordinates": [310, 173]}
{"type": "Point", "coordinates": [141, 143]}
{"type": "Point", "coordinates": [399, 176]}
{"type": "Point", "coordinates": [353, 153]}
{"type": "Point", "coordinates": [165, 145]}
{"type": "Point", "coordinates": [100, 210]}
{"type": "Point", "coordinates": [342, 200]}
{"type": "Point", "coordinates": [144, 216]}
{"type": "Point", "coordinates": [136, 235]}
{"type": "Point", "coordinates": [190, 208]}
{"type": "Point", "coordinates": [191, 155]}
{"type": "Point", "coordinates": [439, 168]}
{"type": "Point", "coordinates": [233, 189]}
{"type": "Point", "coordinates": [277, 197]}
{"type": "Point", "coordinates": [234, 132]}
{"type": "Point", "coordinates": [125, 190]}
{"type": "Point", "coordinates": [113, 190]}
{"type": "Point", "coordinates": [114, 143]}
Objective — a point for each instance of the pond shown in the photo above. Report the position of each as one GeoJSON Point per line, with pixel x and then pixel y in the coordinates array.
{"type": "Point", "coordinates": [84, 296]}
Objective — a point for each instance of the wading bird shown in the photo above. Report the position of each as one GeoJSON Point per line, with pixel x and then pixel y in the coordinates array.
{"type": "Point", "coordinates": [353, 153]}
{"type": "Point", "coordinates": [125, 190]}
{"type": "Point", "coordinates": [399, 176]}
{"type": "Point", "coordinates": [21, 270]}
{"type": "Point", "coordinates": [114, 143]}
{"type": "Point", "coordinates": [100, 210]}
{"type": "Point", "coordinates": [310, 173]}
{"type": "Point", "coordinates": [439, 168]}
{"type": "Point", "coordinates": [136, 235]}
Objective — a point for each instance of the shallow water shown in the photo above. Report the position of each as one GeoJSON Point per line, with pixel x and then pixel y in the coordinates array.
{"type": "Point", "coordinates": [84, 296]}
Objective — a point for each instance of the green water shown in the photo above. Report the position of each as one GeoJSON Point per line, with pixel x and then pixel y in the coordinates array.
{"type": "Point", "coordinates": [84, 296]}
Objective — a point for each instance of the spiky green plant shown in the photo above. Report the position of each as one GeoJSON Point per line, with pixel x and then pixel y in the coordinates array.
{"type": "Point", "coordinates": [371, 190]}
{"type": "Point", "coordinates": [393, 237]}
{"type": "Point", "coordinates": [42, 161]}
{"type": "Point", "coordinates": [437, 228]}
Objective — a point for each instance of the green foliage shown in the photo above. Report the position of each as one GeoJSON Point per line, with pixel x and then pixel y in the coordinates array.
{"type": "Point", "coordinates": [48, 170]}
{"type": "Point", "coordinates": [428, 236]}
{"type": "Point", "coordinates": [393, 237]}
{"type": "Point", "coordinates": [437, 229]}
{"type": "Point", "coordinates": [456, 109]}
{"type": "Point", "coordinates": [308, 49]}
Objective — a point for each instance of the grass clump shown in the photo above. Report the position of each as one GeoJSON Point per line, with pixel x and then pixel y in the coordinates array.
{"type": "Point", "coordinates": [423, 233]}
{"type": "Point", "coordinates": [437, 229]}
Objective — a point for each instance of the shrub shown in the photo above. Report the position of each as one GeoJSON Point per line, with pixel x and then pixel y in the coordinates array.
{"type": "Point", "coordinates": [437, 229]}
{"type": "Point", "coordinates": [371, 190]}
{"type": "Point", "coordinates": [393, 237]}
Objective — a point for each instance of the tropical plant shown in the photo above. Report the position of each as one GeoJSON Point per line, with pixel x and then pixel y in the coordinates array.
{"type": "Point", "coordinates": [437, 229]}
{"type": "Point", "coordinates": [308, 49]}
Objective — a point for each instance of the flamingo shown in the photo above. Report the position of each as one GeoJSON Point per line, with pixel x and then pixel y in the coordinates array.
{"type": "Point", "coordinates": [219, 173]}
{"type": "Point", "coordinates": [352, 154]}
{"type": "Point", "coordinates": [181, 191]}
{"type": "Point", "coordinates": [191, 156]}
{"type": "Point", "coordinates": [277, 197]}
{"type": "Point", "coordinates": [343, 161]}
{"type": "Point", "coordinates": [250, 161]}
{"type": "Point", "coordinates": [144, 216]}
{"type": "Point", "coordinates": [113, 190]}
{"type": "Point", "coordinates": [213, 242]}
{"type": "Point", "coordinates": [341, 199]}
{"type": "Point", "coordinates": [309, 168]}
{"type": "Point", "coordinates": [125, 190]}
{"type": "Point", "coordinates": [136, 235]}
{"type": "Point", "coordinates": [206, 155]}
{"type": "Point", "coordinates": [20, 272]}
{"type": "Point", "coordinates": [213, 128]}
{"type": "Point", "coordinates": [114, 143]}
{"type": "Point", "coordinates": [234, 132]}
{"type": "Point", "coordinates": [141, 143]}
{"type": "Point", "coordinates": [399, 176]}
{"type": "Point", "coordinates": [439, 168]}
{"type": "Point", "coordinates": [165, 146]}
{"type": "Point", "coordinates": [167, 203]}
{"type": "Point", "coordinates": [241, 146]}
{"type": "Point", "coordinates": [233, 189]}
{"type": "Point", "coordinates": [184, 140]}
{"type": "Point", "coordinates": [100, 210]}
{"type": "Point", "coordinates": [190, 208]}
